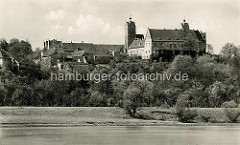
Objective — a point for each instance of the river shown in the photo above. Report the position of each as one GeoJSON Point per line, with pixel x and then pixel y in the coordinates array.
{"type": "Point", "coordinates": [162, 135]}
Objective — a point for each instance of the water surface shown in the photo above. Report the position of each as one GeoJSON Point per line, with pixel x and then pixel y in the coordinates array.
{"type": "Point", "coordinates": [163, 135]}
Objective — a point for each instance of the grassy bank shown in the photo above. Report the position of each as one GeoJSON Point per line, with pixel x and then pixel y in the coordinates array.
{"type": "Point", "coordinates": [54, 116]}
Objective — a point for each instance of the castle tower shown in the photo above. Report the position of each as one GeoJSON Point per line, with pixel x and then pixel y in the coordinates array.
{"type": "Point", "coordinates": [185, 26]}
{"type": "Point", "coordinates": [130, 33]}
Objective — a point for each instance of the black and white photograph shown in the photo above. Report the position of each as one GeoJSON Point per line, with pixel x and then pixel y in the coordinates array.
{"type": "Point", "coordinates": [119, 72]}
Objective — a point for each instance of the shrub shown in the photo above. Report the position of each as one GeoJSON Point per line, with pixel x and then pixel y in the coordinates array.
{"type": "Point", "coordinates": [212, 115]}
{"type": "Point", "coordinates": [231, 110]}
{"type": "Point", "coordinates": [186, 115]}
{"type": "Point", "coordinates": [132, 101]}
{"type": "Point", "coordinates": [205, 117]}
{"type": "Point", "coordinates": [229, 104]}
{"type": "Point", "coordinates": [144, 115]}
{"type": "Point", "coordinates": [165, 105]}
{"type": "Point", "coordinates": [232, 114]}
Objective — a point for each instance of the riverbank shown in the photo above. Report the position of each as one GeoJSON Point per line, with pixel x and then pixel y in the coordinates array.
{"type": "Point", "coordinates": [94, 116]}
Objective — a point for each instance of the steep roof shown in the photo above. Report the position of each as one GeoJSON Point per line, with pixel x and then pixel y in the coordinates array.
{"type": "Point", "coordinates": [88, 47]}
{"type": "Point", "coordinates": [137, 43]}
{"type": "Point", "coordinates": [49, 52]}
{"type": "Point", "coordinates": [177, 34]}
{"type": "Point", "coordinates": [105, 49]}
{"type": "Point", "coordinates": [199, 36]}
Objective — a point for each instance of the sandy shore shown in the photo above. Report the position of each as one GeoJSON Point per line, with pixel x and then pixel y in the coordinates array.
{"type": "Point", "coordinates": [82, 116]}
{"type": "Point", "coordinates": [165, 123]}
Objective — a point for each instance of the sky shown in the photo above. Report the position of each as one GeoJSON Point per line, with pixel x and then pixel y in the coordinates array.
{"type": "Point", "coordinates": [103, 21]}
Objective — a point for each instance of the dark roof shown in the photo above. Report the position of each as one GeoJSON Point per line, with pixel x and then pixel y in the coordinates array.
{"type": "Point", "coordinates": [78, 48]}
{"type": "Point", "coordinates": [106, 49]}
{"type": "Point", "coordinates": [49, 52]}
{"type": "Point", "coordinates": [137, 43]}
{"type": "Point", "coordinates": [139, 36]}
{"type": "Point", "coordinates": [78, 53]}
{"type": "Point", "coordinates": [177, 34]}
{"type": "Point", "coordinates": [88, 47]}
{"type": "Point", "coordinates": [199, 36]}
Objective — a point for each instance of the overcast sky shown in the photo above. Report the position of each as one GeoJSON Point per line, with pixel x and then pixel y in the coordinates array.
{"type": "Point", "coordinates": [102, 21]}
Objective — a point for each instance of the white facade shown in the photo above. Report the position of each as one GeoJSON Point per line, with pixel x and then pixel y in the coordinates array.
{"type": "Point", "coordinates": [145, 51]}
{"type": "Point", "coordinates": [1, 62]}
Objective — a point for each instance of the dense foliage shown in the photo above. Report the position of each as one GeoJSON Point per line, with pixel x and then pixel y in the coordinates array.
{"type": "Point", "coordinates": [211, 82]}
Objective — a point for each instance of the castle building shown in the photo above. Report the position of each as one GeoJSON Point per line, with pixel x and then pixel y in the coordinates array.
{"type": "Point", "coordinates": [76, 52]}
{"type": "Point", "coordinates": [164, 43]}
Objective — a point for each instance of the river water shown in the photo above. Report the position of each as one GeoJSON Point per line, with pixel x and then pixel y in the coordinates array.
{"type": "Point", "coordinates": [163, 135]}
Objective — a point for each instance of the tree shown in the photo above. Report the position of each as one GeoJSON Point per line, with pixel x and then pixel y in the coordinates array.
{"type": "Point", "coordinates": [131, 101]}
{"type": "Point", "coordinates": [19, 50]}
{"type": "Point", "coordinates": [3, 44]}
{"type": "Point", "coordinates": [146, 88]}
{"type": "Point", "coordinates": [229, 51]}
{"type": "Point", "coordinates": [96, 99]}
{"type": "Point", "coordinates": [216, 93]}
{"type": "Point", "coordinates": [36, 53]}
{"type": "Point", "coordinates": [118, 90]}
{"type": "Point", "coordinates": [209, 49]}
{"type": "Point", "coordinates": [22, 96]}
{"type": "Point", "coordinates": [207, 70]}
{"type": "Point", "coordinates": [77, 97]}
{"type": "Point", "coordinates": [190, 42]}
{"type": "Point", "coordinates": [3, 95]}
{"type": "Point", "coordinates": [181, 63]}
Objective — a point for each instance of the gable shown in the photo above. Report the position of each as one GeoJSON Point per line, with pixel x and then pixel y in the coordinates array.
{"type": "Point", "coordinates": [148, 34]}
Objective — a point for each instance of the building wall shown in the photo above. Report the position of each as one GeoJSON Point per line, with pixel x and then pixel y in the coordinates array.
{"type": "Point", "coordinates": [130, 33]}
{"type": "Point", "coordinates": [1, 62]}
{"type": "Point", "coordinates": [52, 44]}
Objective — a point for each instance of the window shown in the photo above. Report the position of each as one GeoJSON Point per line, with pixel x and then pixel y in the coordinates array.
{"type": "Point", "coordinates": [171, 45]}
{"type": "Point", "coordinates": [149, 51]}
{"type": "Point", "coordinates": [146, 51]}
{"type": "Point", "coordinates": [161, 44]}
{"type": "Point", "coordinates": [175, 45]}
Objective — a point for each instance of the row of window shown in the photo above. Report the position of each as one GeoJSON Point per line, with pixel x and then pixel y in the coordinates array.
{"type": "Point", "coordinates": [136, 51]}
{"type": "Point", "coordinates": [174, 45]}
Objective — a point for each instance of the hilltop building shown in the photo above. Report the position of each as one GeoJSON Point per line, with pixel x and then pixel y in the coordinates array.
{"type": "Point", "coordinates": [164, 43]}
{"type": "Point", "coordinates": [77, 52]}
{"type": "Point", "coordinates": [157, 44]}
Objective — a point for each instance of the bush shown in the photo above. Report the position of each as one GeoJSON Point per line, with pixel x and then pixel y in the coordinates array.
{"type": "Point", "coordinates": [231, 110]}
{"type": "Point", "coordinates": [229, 104]}
{"type": "Point", "coordinates": [212, 115]}
{"type": "Point", "coordinates": [232, 114]}
{"type": "Point", "coordinates": [144, 115]}
{"type": "Point", "coordinates": [186, 115]}
{"type": "Point", "coordinates": [156, 114]}
{"type": "Point", "coordinates": [132, 101]}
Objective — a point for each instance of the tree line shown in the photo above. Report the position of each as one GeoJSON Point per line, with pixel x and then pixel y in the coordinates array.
{"type": "Point", "coordinates": [211, 81]}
